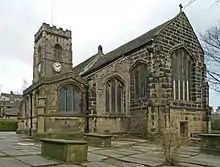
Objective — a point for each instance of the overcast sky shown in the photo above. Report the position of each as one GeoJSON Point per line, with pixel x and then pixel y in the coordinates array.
{"type": "Point", "coordinates": [110, 23]}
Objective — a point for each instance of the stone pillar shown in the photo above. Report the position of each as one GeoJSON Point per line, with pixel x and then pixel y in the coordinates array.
{"type": "Point", "coordinates": [41, 114]}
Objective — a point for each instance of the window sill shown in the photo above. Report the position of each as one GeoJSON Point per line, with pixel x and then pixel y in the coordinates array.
{"type": "Point", "coordinates": [181, 101]}
{"type": "Point", "coordinates": [139, 99]}
{"type": "Point", "coordinates": [107, 115]}
{"type": "Point", "coordinates": [63, 115]}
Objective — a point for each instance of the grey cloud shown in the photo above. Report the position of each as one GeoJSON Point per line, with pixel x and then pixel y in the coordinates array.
{"type": "Point", "coordinates": [18, 22]}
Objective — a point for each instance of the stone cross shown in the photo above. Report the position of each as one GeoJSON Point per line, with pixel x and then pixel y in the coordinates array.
{"type": "Point", "coordinates": [181, 7]}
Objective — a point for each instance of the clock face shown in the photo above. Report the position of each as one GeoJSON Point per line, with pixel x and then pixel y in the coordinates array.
{"type": "Point", "coordinates": [39, 67]}
{"type": "Point", "coordinates": [57, 67]}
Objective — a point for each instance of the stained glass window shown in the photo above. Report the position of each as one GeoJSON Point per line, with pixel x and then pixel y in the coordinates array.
{"type": "Point", "coordinates": [181, 74]}
{"type": "Point", "coordinates": [69, 99]}
{"type": "Point", "coordinates": [115, 96]}
{"type": "Point", "coordinates": [75, 101]}
{"type": "Point", "coordinates": [141, 76]}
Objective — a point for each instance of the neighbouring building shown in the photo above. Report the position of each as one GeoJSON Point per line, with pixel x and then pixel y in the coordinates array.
{"type": "Point", "coordinates": [218, 110]}
{"type": "Point", "coordinates": [140, 87]}
{"type": "Point", "coordinates": [9, 105]}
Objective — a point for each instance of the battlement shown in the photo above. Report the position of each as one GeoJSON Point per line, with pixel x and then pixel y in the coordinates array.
{"type": "Point", "coordinates": [52, 30]}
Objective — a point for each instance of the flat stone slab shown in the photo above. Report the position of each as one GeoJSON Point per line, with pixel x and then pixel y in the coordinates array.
{"type": "Point", "coordinates": [14, 152]}
{"type": "Point", "coordinates": [131, 165]}
{"type": "Point", "coordinates": [98, 164]}
{"type": "Point", "coordinates": [95, 157]}
{"type": "Point", "coordinates": [2, 154]}
{"type": "Point", "coordinates": [122, 143]}
{"type": "Point", "coordinates": [98, 135]}
{"type": "Point", "coordinates": [126, 151]}
{"type": "Point", "coordinates": [63, 141]}
{"type": "Point", "coordinates": [11, 162]}
{"type": "Point", "coordinates": [149, 156]}
{"type": "Point", "coordinates": [36, 160]}
{"type": "Point", "coordinates": [205, 161]}
{"type": "Point", "coordinates": [93, 148]}
{"type": "Point", "coordinates": [31, 152]}
{"type": "Point", "coordinates": [109, 153]}
{"type": "Point", "coordinates": [67, 166]}
{"type": "Point", "coordinates": [146, 162]}
{"type": "Point", "coordinates": [189, 165]}
{"type": "Point", "coordinates": [146, 148]}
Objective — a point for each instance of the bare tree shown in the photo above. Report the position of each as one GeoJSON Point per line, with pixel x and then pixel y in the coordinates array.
{"type": "Point", "coordinates": [211, 45]}
{"type": "Point", "coordinates": [25, 85]}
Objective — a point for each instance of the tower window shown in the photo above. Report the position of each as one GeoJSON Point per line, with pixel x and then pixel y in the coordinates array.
{"type": "Point", "coordinates": [57, 52]}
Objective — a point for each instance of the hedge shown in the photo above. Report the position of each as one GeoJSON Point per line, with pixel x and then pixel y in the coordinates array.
{"type": "Point", "coordinates": [8, 125]}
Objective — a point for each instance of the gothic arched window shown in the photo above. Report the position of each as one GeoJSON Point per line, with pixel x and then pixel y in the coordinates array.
{"type": "Point", "coordinates": [115, 96]}
{"type": "Point", "coordinates": [69, 99]}
{"type": "Point", "coordinates": [140, 79]}
{"type": "Point", "coordinates": [57, 52]}
{"type": "Point", "coordinates": [181, 65]}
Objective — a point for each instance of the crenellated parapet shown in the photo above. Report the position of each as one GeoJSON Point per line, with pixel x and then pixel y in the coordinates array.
{"type": "Point", "coordinates": [52, 30]}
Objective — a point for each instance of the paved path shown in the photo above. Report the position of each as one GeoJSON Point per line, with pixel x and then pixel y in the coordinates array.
{"type": "Point", "coordinates": [19, 151]}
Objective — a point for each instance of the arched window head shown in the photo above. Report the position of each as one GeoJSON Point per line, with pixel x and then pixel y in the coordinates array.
{"type": "Point", "coordinates": [57, 52]}
{"type": "Point", "coordinates": [115, 96]}
{"type": "Point", "coordinates": [140, 80]}
{"type": "Point", "coordinates": [181, 66]}
{"type": "Point", "coordinates": [70, 99]}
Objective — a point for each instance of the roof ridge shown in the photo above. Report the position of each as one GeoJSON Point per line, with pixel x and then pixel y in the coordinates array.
{"type": "Point", "coordinates": [170, 21]}
{"type": "Point", "coordinates": [124, 48]}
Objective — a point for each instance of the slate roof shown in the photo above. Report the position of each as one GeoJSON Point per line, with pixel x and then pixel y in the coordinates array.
{"type": "Point", "coordinates": [11, 111]}
{"type": "Point", "coordinates": [8, 95]}
{"type": "Point", "coordinates": [122, 50]}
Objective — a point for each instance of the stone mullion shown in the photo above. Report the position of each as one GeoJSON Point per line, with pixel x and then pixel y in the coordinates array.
{"type": "Point", "coordinates": [193, 83]}
{"type": "Point", "coordinates": [110, 97]}
{"type": "Point", "coordinates": [116, 96]}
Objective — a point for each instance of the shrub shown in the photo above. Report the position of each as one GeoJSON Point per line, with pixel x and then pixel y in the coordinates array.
{"type": "Point", "coordinates": [171, 143]}
{"type": "Point", "coordinates": [216, 124]}
{"type": "Point", "coordinates": [8, 125]}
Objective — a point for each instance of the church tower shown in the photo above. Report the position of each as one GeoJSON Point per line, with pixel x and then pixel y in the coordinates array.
{"type": "Point", "coordinates": [52, 52]}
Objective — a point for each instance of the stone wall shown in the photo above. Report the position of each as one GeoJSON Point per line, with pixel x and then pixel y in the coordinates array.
{"type": "Point", "coordinates": [46, 38]}
{"type": "Point", "coordinates": [157, 57]}
{"type": "Point", "coordinates": [116, 124]}
{"type": "Point", "coordinates": [180, 34]}
{"type": "Point", "coordinates": [64, 124]}
{"type": "Point", "coordinates": [101, 121]}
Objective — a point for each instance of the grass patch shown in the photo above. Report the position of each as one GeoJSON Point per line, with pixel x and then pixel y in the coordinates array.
{"type": "Point", "coordinates": [8, 125]}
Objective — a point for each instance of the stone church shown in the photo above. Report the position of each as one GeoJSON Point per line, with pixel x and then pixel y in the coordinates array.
{"type": "Point", "coordinates": [138, 88]}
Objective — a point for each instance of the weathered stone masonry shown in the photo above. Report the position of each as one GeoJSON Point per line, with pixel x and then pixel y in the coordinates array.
{"type": "Point", "coordinates": [130, 88]}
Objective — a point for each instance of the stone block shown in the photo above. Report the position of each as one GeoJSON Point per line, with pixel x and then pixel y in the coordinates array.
{"type": "Point", "coordinates": [67, 136]}
{"type": "Point", "coordinates": [101, 140]}
{"type": "Point", "coordinates": [70, 151]}
{"type": "Point", "coordinates": [210, 143]}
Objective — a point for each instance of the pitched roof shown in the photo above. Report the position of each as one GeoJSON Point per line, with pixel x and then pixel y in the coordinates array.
{"type": "Point", "coordinates": [120, 51]}
{"type": "Point", "coordinates": [9, 94]}
{"type": "Point", "coordinates": [11, 111]}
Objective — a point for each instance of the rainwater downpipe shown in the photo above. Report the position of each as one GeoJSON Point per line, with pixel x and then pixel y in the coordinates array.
{"type": "Point", "coordinates": [87, 107]}
{"type": "Point", "coordinates": [31, 115]}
